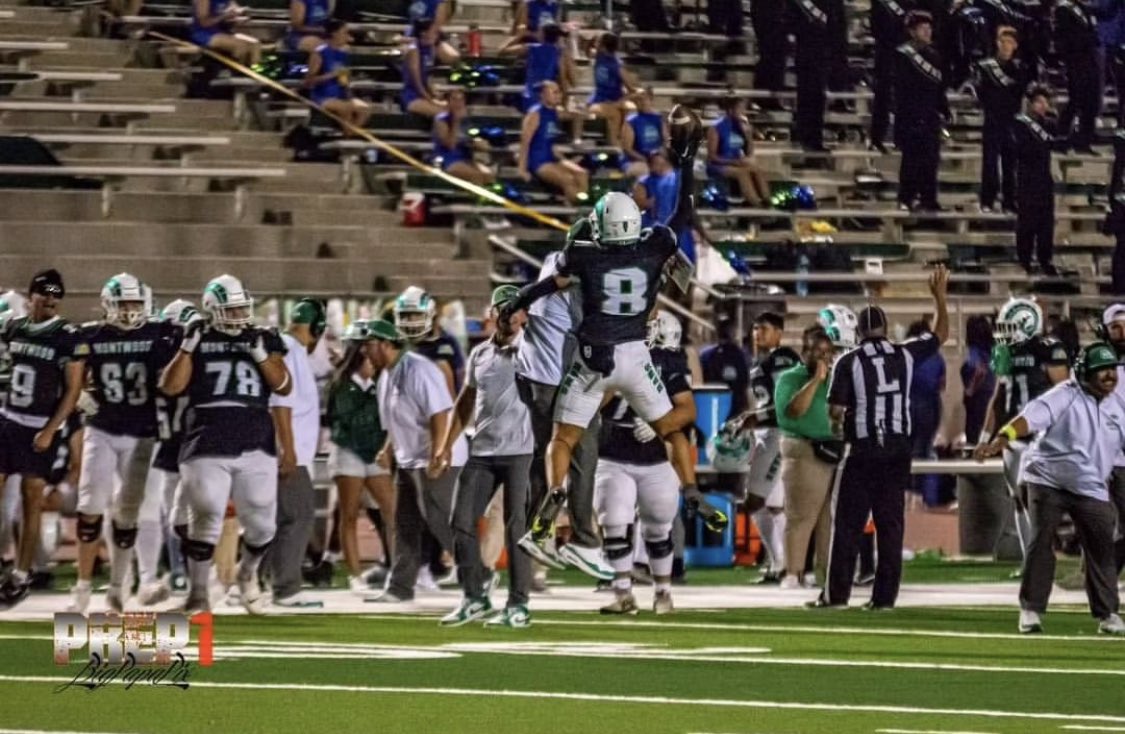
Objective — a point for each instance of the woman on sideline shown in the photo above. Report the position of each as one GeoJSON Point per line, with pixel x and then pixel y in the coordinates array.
{"type": "Point", "coordinates": [357, 436]}
{"type": "Point", "coordinates": [730, 153]}
{"type": "Point", "coordinates": [452, 148]}
{"type": "Point", "coordinates": [327, 79]}
{"type": "Point", "coordinates": [212, 26]}
{"type": "Point", "coordinates": [977, 377]}
{"type": "Point", "coordinates": [307, 19]}
{"type": "Point", "coordinates": [801, 399]}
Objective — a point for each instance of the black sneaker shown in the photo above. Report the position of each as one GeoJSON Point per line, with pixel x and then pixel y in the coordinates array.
{"type": "Point", "coordinates": [13, 592]}
{"type": "Point", "coordinates": [769, 578]}
{"type": "Point", "coordinates": [821, 603]}
{"type": "Point", "coordinates": [871, 606]}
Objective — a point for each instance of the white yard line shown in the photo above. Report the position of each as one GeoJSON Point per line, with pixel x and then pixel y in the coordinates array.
{"type": "Point", "coordinates": [927, 731]}
{"type": "Point", "coordinates": [1079, 727]}
{"type": "Point", "coordinates": [52, 731]}
{"type": "Point", "coordinates": [608, 698]}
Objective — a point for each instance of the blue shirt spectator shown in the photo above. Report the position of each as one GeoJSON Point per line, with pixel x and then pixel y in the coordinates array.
{"type": "Point", "coordinates": [977, 377]}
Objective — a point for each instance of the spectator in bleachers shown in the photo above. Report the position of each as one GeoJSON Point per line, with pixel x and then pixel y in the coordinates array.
{"type": "Point", "coordinates": [546, 61]}
{"type": "Point", "coordinates": [212, 26]}
{"type": "Point", "coordinates": [649, 16]}
{"type": "Point", "coordinates": [1035, 188]}
{"type": "Point", "coordinates": [656, 194]}
{"type": "Point", "coordinates": [452, 147]}
{"type": "Point", "coordinates": [888, 26]}
{"type": "Point", "coordinates": [920, 109]}
{"type": "Point", "coordinates": [531, 15]}
{"type": "Point", "coordinates": [611, 82]}
{"type": "Point", "coordinates": [1000, 82]}
{"type": "Point", "coordinates": [307, 20]}
{"type": "Point", "coordinates": [439, 12]}
{"type": "Point", "coordinates": [724, 18]}
{"type": "Point", "coordinates": [1076, 41]}
{"type": "Point", "coordinates": [925, 411]}
{"type": "Point", "coordinates": [729, 153]}
{"type": "Point", "coordinates": [537, 155]}
{"type": "Point", "coordinates": [977, 377]}
{"type": "Point", "coordinates": [773, 49]}
{"type": "Point", "coordinates": [327, 78]}
{"type": "Point", "coordinates": [644, 132]}
{"type": "Point", "coordinates": [1115, 218]}
{"type": "Point", "coordinates": [812, 61]}
{"type": "Point", "coordinates": [417, 61]}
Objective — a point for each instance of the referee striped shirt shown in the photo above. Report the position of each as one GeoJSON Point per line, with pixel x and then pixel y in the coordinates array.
{"type": "Point", "coordinates": [872, 384]}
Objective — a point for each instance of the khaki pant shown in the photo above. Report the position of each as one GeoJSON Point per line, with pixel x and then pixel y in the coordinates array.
{"type": "Point", "coordinates": [808, 486]}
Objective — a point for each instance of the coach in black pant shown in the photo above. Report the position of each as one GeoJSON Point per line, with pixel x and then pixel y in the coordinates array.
{"type": "Point", "coordinates": [870, 394]}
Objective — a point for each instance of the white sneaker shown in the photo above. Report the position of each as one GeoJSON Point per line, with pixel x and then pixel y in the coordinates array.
{"type": "Point", "coordinates": [662, 602]}
{"type": "Point", "coordinates": [809, 580]}
{"type": "Point", "coordinates": [425, 580]}
{"type": "Point", "coordinates": [79, 600]}
{"type": "Point", "coordinates": [544, 552]}
{"type": "Point", "coordinates": [449, 580]}
{"type": "Point", "coordinates": [590, 561]}
{"type": "Point", "coordinates": [1030, 623]}
{"type": "Point", "coordinates": [251, 594]}
{"type": "Point", "coordinates": [357, 585]}
{"type": "Point", "coordinates": [1112, 625]}
{"type": "Point", "coordinates": [298, 601]}
{"type": "Point", "coordinates": [789, 581]}
{"type": "Point", "coordinates": [113, 599]}
{"type": "Point", "coordinates": [154, 593]}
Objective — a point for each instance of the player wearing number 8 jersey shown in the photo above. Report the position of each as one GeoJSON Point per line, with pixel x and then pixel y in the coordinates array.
{"type": "Point", "coordinates": [228, 368]}
{"type": "Point", "coordinates": [619, 278]}
{"type": "Point", "coordinates": [126, 354]}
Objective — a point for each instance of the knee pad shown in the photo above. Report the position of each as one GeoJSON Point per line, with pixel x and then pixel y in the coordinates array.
{"type": "Point", "coordinates": [660, 548]}
{"type": "Point", "coordinates": [124, 538]}
{"type": "Point", "coordinates": [89, 530]}
{"type": "Point", "coordinates": [198, 550]}
{"type": "Point", "coordinates": [619, 547]}
{"type": "Point", "coordinates": [180, 531]}
{"type": "Point", "coordinates": [257, 550]}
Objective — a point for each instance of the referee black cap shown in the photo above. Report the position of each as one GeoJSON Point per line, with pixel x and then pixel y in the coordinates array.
{"type": "Point", "coordinates": [871, 320]}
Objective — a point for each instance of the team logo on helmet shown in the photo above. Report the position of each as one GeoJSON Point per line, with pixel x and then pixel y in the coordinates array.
{"type": "Point", "coordinates": [664, 331]}
{"type": "Point", "coordinates": [1019, 319]}
{"type": "Point", "coordinates": [840, 323]}
{"type": "Point", "coordinates": [227, 304]}
{"type": "Point", "coordinates": [127, 301]}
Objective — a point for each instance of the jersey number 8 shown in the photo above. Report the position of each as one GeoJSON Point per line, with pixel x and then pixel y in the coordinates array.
{"type": "Point", "coordinates": [624, 292]}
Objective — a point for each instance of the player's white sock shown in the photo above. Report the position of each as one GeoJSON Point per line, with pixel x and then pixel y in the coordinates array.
{"type": "Point", "coordinates": [661, 566]}
{"type": "Point", "coordinates": [662, 587]}
{"type": "Point", "coordinates": [622, 586]}
{"type": "Point", "coordinates": [48, 539]}
{"type": "Point", "coordinates": [83, 584]}
{"type": "Point", "coordinates": [772, 528]}
{"type": "Point", "coordinates": [200, 574]}
{"type": "Point", "coordinates": [120, 559]}
{"type": "Point", "coordinates": [150, 536]}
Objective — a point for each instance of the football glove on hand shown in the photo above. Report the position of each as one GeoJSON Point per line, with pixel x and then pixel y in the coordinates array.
{"type": "Point", "coordinates": [715, 519]}
{"type": "Point", "coordinates": [193, 332]}
{"type": "Point", "coordinates": [258, 350]}
{"type": "Point", "coordinates": [642, 431]}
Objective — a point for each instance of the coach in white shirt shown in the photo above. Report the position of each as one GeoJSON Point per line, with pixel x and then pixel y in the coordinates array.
{"type": "Point", "coordinates": [1081, 429]}
{"type": "Point", "coordinates": [415, 408]}
{"type": "Point", "coordinates": [296, 418]}
{"type": "Point", "coordinates": [1113, 331]}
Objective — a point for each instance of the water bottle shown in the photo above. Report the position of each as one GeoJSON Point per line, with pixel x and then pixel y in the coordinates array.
{"type": "Point", "coordinates": [803, 269]}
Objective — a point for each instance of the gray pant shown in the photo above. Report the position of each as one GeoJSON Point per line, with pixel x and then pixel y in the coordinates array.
{"type": "Point", "coordinates": [1095, 521]}
{"type": "Point", "coordinates": [422, 503]}
{"type": "Point", "coordinates": [1117, 497]}
{"type": "Point", "coordinates": [296, 512]}
{"type": "Point", "coordinates": [479, 481]}
{"type": "Point", "coordinates": [540, 401]}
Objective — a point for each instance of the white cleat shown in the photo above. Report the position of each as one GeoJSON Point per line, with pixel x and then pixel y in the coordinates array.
{"type": "Point", "coordinates": [662, 603]}
{"type": "Point", "coordinates": [1112, 625]}
{"type": "Point", "coordinates": [79, 600]}
{"type": "Point", "coordinates": [154, 593]}
{"type": "Point", "coordinates": [539, 552]}
{"type": "Point", "coordinates": [253, 598]}
{"type": "Point", "coordinates": [1030, 624]}
{"type": "Point", "coordinates": [357, 585]}
{"type": "Point", "coordinates": [590, 561]}
{"type": "Point", "coordinates": [113, 600]}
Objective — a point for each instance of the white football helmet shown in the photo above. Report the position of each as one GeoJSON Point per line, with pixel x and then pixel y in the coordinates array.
{"type": "Point", "coordinates": [616, 220]}
{"type": "Point", "coordinates": [126, 301]}
{"type": "Point", "coordinates": [664, 331]}
{"type": "Point", "coordinates": [227, 304]}
{"type": "Point", "coordinates": [1019, 319]}
{"type": "Point", "coordinates": [730, 449]}
{"type": "Point", "coordinates": [179, 311]}
{"type": "Point", "coordinates": [840, 323]}
{"type": "Point", "coordinates": [414, 313]}
{"type": "Point", "coordinates": [12, 306]}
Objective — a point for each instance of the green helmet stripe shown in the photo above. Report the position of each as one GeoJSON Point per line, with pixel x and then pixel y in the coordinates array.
{"type": "Point", "coordinates": [219, 291]}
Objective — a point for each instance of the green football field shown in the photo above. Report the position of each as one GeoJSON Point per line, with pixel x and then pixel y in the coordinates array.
{"type": "Point", "coordinates": [746, 671]}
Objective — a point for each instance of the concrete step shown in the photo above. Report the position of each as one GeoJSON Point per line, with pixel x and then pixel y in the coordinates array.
{"type": "Point", "coordinates": [59, 26]}
{"type": "Point", "coordinates": [76, 59]}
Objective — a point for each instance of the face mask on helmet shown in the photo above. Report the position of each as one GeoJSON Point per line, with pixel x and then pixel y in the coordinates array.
{"type": "Point", "coordinates": [1019, 320]}
{"type": "Point", "coordinates": [414, 313]}
{"type": "Point", "coordinates": [126, 301]}
{"type": "Point", "coordinates": [616, 220]}
{"type": "Point", "coordinates": [664, 332]}
{"type": "Point", "coordinates": [228, 306]}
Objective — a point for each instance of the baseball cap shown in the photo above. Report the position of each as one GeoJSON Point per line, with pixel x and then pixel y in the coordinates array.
{"type": "Point", "coordinates": [872, 319]}
{"type": "Point", "coordinates": [503, 294]}
{"type": "Point", "coordinates": [47, 283]}
{"type": "Point", "coordinates": [1113, 312]}
{"type": "Point", "coordinates": [1098, 356]}
{"type": "Point", "coordinates": [382, 330]}
{"type": "Point", "coordinates": [311, 312]}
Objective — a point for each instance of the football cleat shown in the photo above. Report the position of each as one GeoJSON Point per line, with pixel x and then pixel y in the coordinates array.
{"type": "Point", "coordinates": [1030, 623]}
{"type": "Point", "coordinates": [385, 597]}
{"type": "Point", "coordinates": [79, 600]}
{"type": "Point", "coordinates": [1111, 625]}
{"type": "Point", "coordinates": [590, 561]}
{"type": "Point", "coordinates": [253, 598]}
{"type": "Point", "coordinates": [467, 611]}
{"type": "Point", "coordinates": [196, 604]}
{"type": "Point", "coordinates": [623, 604]}
{"type": "Point", "coordinates": [298, 601]}
{"type": "Point", "coordinates": [538, 551]}
{"type": "Point", "coordinates": [154, 593]}
{"type": "Point", "coordinates": [357, 585]}
{"type": "Point", "coordinates": [514, 617]}
{"type": "Point", "coordinates": [662, 602]}
{"type": "Point", "coordinates": [113, 599]}
{"type": "Point", "coordinates": [14, 590]}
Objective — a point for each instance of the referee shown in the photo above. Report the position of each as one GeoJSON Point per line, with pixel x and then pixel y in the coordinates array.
{"type": "Point", "coordinates": [870, 394]}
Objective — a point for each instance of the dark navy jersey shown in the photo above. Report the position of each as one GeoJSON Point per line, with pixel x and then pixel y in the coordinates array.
{"type": "Point", "coordinates": [615, 437]}
{"type": "Point", "coordinates": [763, 377]}
{"type": "Point", "coordinates": [444, 348]}
{"type": "Point", "coordinates": [618, 285]}
{"type": "Point", "coordinates": [124, 367]}
{"type": "Point", "coordinates": [61, 467]}
{"type": "Point", "coordinates": [38, 355]}
{"type": "Point", "coordinates": [170, 414]}
{"type": "Point", "coordinates": [228, 398]}
{"type": "Point", "coordinates": [1027, 374]}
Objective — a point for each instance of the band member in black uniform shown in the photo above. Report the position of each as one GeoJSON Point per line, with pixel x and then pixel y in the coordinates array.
{"type": "Point", "coordinates": [1034, 138]}
{"type": "Point", "coordinates": [1076, 41]}
{"type": "Point", "coordinates": [1115, 219]}
{"type": "Point", "coordinates": [920, 110]}
{"type": "Point", "coordinates": [888, 26]}
{"type": "Point", "coordinates": [1000, 82]}
{"type": "Point", "coordinates": [811, 29]}
{"type": "Point", "coordinates": [768, 19]}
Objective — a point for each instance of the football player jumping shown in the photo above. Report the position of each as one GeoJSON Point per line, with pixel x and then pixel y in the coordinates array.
{"type": "Point", "coordinates": [619, 279]}
{"type": "Point", "coordinates": [228, 367]}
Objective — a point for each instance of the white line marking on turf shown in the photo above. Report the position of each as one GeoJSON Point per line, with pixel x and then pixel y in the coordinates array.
{"type": "Point", "coordinates": [51, 731]}
{"type": "Point", "coordinates": [927, 731]}
{"type": "Point", "coordinates": [611, 698]}
{"type": "Point", "coordinates": [1079, 727]}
